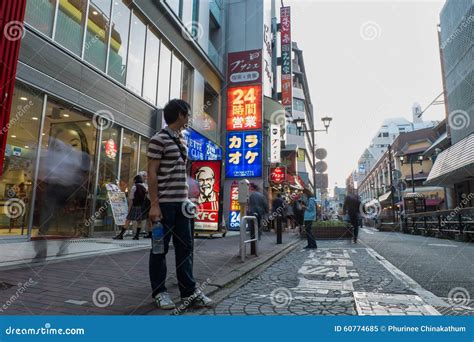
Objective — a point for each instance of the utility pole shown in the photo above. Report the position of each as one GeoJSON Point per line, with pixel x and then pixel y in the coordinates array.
{"type": "Point", "coordinates": [392, 188]}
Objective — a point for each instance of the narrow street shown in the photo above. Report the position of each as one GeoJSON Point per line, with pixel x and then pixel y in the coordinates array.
{"type": "Point", "coordinates": [369, 278]}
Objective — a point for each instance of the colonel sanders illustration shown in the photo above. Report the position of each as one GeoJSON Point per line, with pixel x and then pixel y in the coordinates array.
{"type": "Point", "coordinates": [206, 179]}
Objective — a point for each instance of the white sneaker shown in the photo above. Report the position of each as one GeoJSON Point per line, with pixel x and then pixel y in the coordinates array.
{"type": "Point", "coordinates": [198, 299]}
{"type": "Point", "coordinates": [163, 301]}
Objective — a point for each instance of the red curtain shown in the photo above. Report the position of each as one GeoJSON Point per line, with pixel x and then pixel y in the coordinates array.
{"type": "Point", "coordinates": [12, 13]}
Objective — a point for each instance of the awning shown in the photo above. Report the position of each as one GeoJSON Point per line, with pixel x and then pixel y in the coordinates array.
{"type": "Point", "coordinates": [441, 143]}
{"type": "Point", "coordinates": [454, 165]}
{"type": "Point", "coordinates": [385, 197]}
{"type": "Point", "coordinates": [293, 182]}
{"type": "Point", "coordinates": [434, 202]}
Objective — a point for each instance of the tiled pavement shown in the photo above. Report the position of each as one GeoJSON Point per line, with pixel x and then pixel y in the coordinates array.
{"type": "Point", "coordinates": [118, 284]}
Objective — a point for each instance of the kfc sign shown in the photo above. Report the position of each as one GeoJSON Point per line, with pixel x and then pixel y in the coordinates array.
{"type": "Point", "coordinates": [207, 174]}
{"type": "Point", "coordinates": [277, 175]}
{"type": "Point", "coordinates": [244, 108]}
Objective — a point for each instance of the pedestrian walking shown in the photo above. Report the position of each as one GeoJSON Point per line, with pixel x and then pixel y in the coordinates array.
{"type": "Point", "coordinates": [167, 157]}
{"type": "Point", "coordinates": [290, 215]}
{"type": "Point", "coordinates": [352, 209]}
{"type": "Point", "coordinates": [258, 206]}
{"type": "Point", "coordinates": [299, 214]}
{"type": "Point", "coordinates": [309, 217]}
{"type": "Point", "coordinates": [278, 209]}
{"type": "Point", "coordinates": [137, 214]}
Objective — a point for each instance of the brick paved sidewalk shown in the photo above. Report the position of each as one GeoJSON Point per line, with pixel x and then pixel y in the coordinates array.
{"type": "Point", "coordinates": [118, 284]}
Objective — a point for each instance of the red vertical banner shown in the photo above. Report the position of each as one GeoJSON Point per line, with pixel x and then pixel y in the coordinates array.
{"type": "Point", "coordinates": [12, 31]}
{"type": "Point", "coordinates": [286, 69]}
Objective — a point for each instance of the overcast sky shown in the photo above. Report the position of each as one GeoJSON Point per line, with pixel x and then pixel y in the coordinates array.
{"type": "Point", "coordinates": [365, 62]}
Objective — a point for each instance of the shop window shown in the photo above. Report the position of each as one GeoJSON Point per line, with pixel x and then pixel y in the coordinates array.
{"type": "Point", "coordinates": [70, 24]}
{"type": "Point", "coordinates": [186, 83]}
{"type": "Point", "coordinates": [143, 164]}
{"type": "Point", "coordinates": [205, 119]}
{"type": "Point", "coordinates": [97, 34]}
{"type": "Point", "coordinates": [151, 66]}
{"type": "Point", "coordinates": [16, 182]}
{"type": "Point", "coordinates": [136, 55]}
{"type": "Point", "coordinates": [108, 173]}
{"type": "Point", "coordinates": [298, 104]}
{"type": "Point", "coordinates": [164, 76]}
{"type": "Point", "coordinates": [65, 181]}
{"type": "Point", "coordinates": [118, 44]}
{"type": "Point", "coordinates": [129, 159]}
{"type": "Point", "coordinates": [175, 86]}
{"type": "Point", "coordinates": [40, 15]}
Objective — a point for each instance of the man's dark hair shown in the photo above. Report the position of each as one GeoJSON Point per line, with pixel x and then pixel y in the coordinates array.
{"type": "Point", "coordinates": [174, 108]}
{"type": "Point", "coordinates": [278, 195]}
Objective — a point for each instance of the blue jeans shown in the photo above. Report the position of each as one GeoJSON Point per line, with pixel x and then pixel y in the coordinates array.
{"type": "Point", "coordinates": [309, 233]}
{"type": "Point", "coordinates": [178, 226]}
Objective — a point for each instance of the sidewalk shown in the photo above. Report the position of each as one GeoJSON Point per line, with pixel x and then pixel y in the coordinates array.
{"type": "Point", "coordinates": [117, 283]}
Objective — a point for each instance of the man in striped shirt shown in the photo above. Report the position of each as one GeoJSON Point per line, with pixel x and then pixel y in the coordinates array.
{"type": "Point", "coordinates": [168, 190]}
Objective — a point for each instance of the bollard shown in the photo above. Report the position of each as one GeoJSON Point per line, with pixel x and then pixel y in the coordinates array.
{"type": "Point", "coordinates": [279, 230]}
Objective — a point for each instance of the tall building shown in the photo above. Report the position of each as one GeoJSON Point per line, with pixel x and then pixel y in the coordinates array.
{"type": "Point", "coordinates": [454, 167]}
{"type": "Point", "coordinates": [92, 78]}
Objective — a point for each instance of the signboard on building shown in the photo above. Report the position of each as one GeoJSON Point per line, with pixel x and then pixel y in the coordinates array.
{"type": "Point", "coordinates": [243, 154]}
{"type": "Point", "coordinates": [118, 203]}
{"type": "Point", "coordinates": [208, 175]}
{"type": "Point", "coordinates": [200, 147]}
{"type": "Point", "coordinates": [275, 144]}
{"type": "Point", "coordinates": [244, 67]}
{"type": "Point", "coordinates": [301, 155]}
{"type": "Point", "coordinates": [286, 68]}
{"type": "Point", "coordinates": [234, 212]}
{"type": "Point", "coordinates": [277, 175]}
{"type": "Point", "coordinates": [244, 108]}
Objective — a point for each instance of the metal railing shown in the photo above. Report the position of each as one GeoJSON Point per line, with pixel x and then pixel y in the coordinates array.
{"type": "Point", "coordinates": [243, 231]}
{"type": "Point", "coordinates": [447, 222]}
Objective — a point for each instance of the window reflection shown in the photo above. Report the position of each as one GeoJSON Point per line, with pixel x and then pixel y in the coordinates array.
{"type": "Point", "coordinates": [136, 55]}
{"type": "Point", "coordinates": [164, 76]}
{"type": "Point", "coordinates": [151, 66]}
{"type": "Point", "coordinates": [186, 83]}
{"type": "Point", "coordinates": [119, 41]}
{"type": "Point", "coordinates": [129, 158]}
{"type": "Point", "coordinates": [40, 15]}
{"type": "Point", "coordinates": [97, 35]}
{"type": "Point", "coordinates": [143, 154]}
{"type": "Point", "coordinates": [175, 87]}
{"type": "Point", "coordinates": [70, 24]}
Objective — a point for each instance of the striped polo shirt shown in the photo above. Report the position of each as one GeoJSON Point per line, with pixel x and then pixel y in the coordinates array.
{"type": "Point", "coordinates": [171, 176]}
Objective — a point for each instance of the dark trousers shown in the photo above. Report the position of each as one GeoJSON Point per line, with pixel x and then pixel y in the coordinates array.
{"type": "Point", "coordinates": [259, 222]}
{"type": "Point", "coordinates": [179, 226]}
{"type": "Point", "coordinates": [355, 226]}
{"type": "Point", "coordinates": [309, 233]}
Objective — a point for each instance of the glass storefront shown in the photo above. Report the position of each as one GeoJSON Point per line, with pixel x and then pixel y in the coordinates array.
{"type": "Point", "coordinates": [72, 170]}
{"type": "Point", "coordinates": [65, 175]}
{"type": "Point", "coordinates": [97, 34]}
{"type": "Point", "coordinates": [17, 179]}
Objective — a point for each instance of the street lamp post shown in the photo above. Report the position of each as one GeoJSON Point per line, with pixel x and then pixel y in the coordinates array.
{"type": "Point", "coordinates": [299, 125]}
{"type": "Point", "coordinates": [410, 160]}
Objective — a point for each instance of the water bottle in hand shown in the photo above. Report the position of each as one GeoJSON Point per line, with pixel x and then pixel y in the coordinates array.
{"type": "Point", "coordinates": [157, 238]}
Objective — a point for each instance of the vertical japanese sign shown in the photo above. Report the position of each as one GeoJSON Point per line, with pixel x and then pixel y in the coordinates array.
{"type": "Point", "coordinates": [234, 212]}
{"type": "Point", "coordinates": [286, 72]}
{"type": "Point", "coordinates": [243, 154]}
{"type": "Point", "coordinates": [208, 175]}
{"type": "Point", "coordinates": [244, 108]}
{"type": "Point", "coordinates": [275, 144]}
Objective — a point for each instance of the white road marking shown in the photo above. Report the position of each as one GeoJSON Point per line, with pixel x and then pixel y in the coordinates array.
{"type": "Point", "coordinates": [75, 302]}
{"type": "Point", "coordinates": [368, 231]}
{"type": "Point", "coordinates": [441, 245]}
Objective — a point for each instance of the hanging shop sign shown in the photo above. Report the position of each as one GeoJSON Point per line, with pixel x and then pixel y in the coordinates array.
{"type": "Point", "coordinates": [321, 181]}
{"type": "Point", "coordinates": [275, 144]}
{"type": "Point", "coordinates": [244, 108]}
{"type": "Point", "coordinates": [243, 154]}
{"type": "Point", "coordinates": [286, 69]}
{"type": "Point", "coordinates": [277, 175]}
{"type": "Point", "coordinates": [200, 147]}
{"type": "Point", "coordinates": [244, 67]}
{"type": "Point", "coordinates": [208, 175]}
{"type": "Point", "coordinates": [234, 212]}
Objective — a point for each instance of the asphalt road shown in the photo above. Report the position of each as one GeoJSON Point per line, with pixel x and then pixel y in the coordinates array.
{"type": "Point", "coordinates": [438, 265]}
